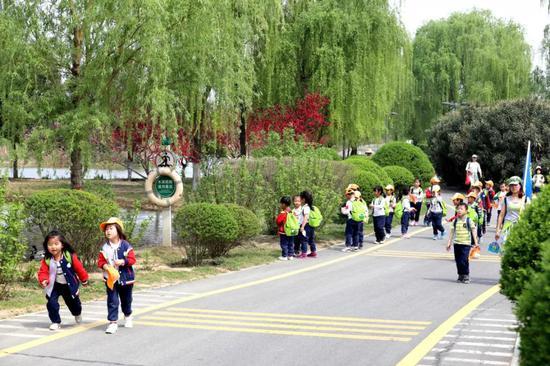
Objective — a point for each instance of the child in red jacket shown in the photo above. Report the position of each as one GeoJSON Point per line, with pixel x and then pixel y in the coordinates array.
{"type": "Point", "coordinates": [60, 274]}
{"type": "Point", "coordinates": [287, 242]}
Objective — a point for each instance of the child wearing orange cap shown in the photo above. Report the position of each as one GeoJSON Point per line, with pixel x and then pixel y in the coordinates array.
{"type": "Point", "coordinates": [116, 253]}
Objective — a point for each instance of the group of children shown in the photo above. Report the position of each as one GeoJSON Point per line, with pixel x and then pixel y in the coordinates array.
{"type": "Point", "coordinates": [61, 273]}
{"type": "Point", "coordinates": [296, 226]}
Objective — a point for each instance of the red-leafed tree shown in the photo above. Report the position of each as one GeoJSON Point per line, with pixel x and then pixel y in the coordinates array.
{"type": "Point", "coordinates": [308, 118]}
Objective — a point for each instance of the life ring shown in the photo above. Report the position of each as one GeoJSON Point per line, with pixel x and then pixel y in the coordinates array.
{"type": "Point", "coordinates": [149, 191]}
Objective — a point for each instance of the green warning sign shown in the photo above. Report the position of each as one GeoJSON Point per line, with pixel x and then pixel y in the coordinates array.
{"type": "Point", "coordinates": [165, 187]}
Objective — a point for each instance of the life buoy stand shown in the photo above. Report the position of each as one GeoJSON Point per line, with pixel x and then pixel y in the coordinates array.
{"type": "Point", "coordinates": [152, 177]}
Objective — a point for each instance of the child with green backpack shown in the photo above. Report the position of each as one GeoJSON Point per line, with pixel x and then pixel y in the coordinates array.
{"type": "Point", "coordinates": [288, 228]}
{"type": "Point", "coordinates": [312, 220]}
{"type": "Point", "coordinates": [380, 210]}
{"type": "Point", "coordinates": [403, 211]}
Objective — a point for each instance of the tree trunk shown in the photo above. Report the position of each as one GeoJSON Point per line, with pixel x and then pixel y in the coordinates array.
{"type": "Point", "coordinates": [129, 166]}
{"type": "Point", "coordinates": [15, 161]}
{"type": "Point", "coordinates": [76, 168]}
{"type": "Point", "coordinates": [242, 136]}
{"type": "Point", "coordinates": [353, 150]}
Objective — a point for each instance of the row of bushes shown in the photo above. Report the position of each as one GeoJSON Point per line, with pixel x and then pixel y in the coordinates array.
{"type": "Point", "coordinates": [525, 278]}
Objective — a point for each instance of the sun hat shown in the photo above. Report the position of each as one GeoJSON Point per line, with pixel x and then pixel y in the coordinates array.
{"type": "Point", "coordinates": [538, 168]}
{"type": "Point", "coordinates": [389, 187]}
{"type": "Point", "coordinates": [435, 179]}
{"type": "Point", "coordinates": [352, 186]}
{"type": "Point", "coordinates": [489, 182]}
{"type": "Point", "coordinates": [514, 180]}
{"type": "Point", "coordinates": [458, 196]}
{"type": "Point", "coordinates": [474, 156]}
{"type": "Point", "coordinates": [357, 194]}
{"type": "Point", "coordinates": [472, 194]}
{"type": "Point", "coordinates": [112, 220]}
{"type": "Point", "coordinates": [436, 188]}
{"type": "Point", "coordinates": [478, 184]}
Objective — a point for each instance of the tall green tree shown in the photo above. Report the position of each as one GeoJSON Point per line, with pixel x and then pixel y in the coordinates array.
{"type": "Point", "coordinates": [102, 61]}
{"type": "Point", "coordinates": [212, 48]}
{"type": "Point", "coordinates": [469, 57]}
{"type": "Point", "coordinates": [357, 53]}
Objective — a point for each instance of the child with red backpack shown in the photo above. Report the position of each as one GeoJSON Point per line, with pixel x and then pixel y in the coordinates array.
{"type": "Point", "coordinates": [286, 239]}
{"type": "Point", "coordinates": [60, 274]}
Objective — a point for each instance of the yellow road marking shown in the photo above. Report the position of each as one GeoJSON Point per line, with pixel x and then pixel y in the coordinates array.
{"type": "Point", "coordinates": [346, 257]}
{"type": "Point", "coordinates": [413, 357]}
{"type": "Point", "coordinates": [281, 326]}
{"type": "Point", "coordinates": [271, 320]}
{"type": "Point", "coordinates": [296, 316]}
{"type": "Point", "coordinates": [442, 257]}
{"type": "Point", "coordinates": [279, 332]}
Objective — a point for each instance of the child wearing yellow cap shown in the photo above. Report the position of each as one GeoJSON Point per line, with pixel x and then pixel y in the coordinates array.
{"type": "Point", "coordinates": [117, 255]}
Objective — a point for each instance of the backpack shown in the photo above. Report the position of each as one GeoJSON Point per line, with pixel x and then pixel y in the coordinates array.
{"type": "Point", "coordinates": [315, 217]}
{"type": "Point", "coordinates": [67, 255]}
{"type": "Point", "coordinates": [398, 211]}
{"type": "Point", "coordinates": [358, 209]}
{"type": "Point", "coordinates": [292, 226]}
{"type": "Point", "coordinates": [468, 225]}
{"type": "Point", "coordinates": [386, 208]}
{"type": "Point", "coordinates": [443, 207]}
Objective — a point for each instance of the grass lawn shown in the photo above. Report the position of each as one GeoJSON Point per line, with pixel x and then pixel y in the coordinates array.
{"type": "Point", "coordinates": [156, 267]}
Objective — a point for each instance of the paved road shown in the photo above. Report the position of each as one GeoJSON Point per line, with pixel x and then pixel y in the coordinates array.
{"type": "Point", "coordinates": [371, 307]}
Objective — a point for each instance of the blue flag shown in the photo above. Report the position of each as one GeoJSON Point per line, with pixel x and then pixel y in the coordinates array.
{"type": "Point", "coordinates": [527, 177]}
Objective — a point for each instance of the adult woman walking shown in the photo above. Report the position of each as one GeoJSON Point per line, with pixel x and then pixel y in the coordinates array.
{"type": "Point", "coordinates": [512, 206]}
{"type": "Point", "coordinates": [473, 171]}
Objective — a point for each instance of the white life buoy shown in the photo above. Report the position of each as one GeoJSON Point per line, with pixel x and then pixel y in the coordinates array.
{"type": "Point", "coordinates": [152, 177]}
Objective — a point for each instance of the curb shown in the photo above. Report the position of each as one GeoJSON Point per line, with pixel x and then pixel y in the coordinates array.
{"type": "Point", "coordinates": [515, 357]}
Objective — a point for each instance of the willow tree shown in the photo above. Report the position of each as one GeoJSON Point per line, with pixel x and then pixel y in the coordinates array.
{"type": "Point", "coordinates": [357, 53]}
{"type": "Point", "coordinates": [18, 84]}
{"type": "Point", "coordinates": [104, 59]}
{"type": "Point", "coordinates": [467, 58]}
{"type": "Point", "coordinates": [212, 48]}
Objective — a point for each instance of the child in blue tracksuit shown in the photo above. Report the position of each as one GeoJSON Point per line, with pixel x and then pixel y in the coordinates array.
{"type": "Point", "coordinates": [307, 204]}
{"type": "Point", "coordinates": [391, 202]}
{"type": "Point", "coordinates": [408, 211]}
{"type": "Point", "coordinates": [117, 253]}
{"type": "Point", "coordinates": [379, 208]}
{"type": "Point", "coordinates": [437, 209]}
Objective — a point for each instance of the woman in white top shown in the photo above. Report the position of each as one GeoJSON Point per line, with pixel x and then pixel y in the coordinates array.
{"type": "Point", "coordinates": [473, 169]}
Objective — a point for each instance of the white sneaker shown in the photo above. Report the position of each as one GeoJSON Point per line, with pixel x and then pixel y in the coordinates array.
{"type": "Point", "coordinates": [435, 237]}
{"type": "Point", "coordinates": [112, 328]}
{"type": "Point", "coordinates": [55, 326]}
{"type": "Point", "coordinates": [128, 322]}
{"type": "Point", "coordinates": [346, 249]}
{"type": "Point", "coordinates": [282, 258]}
{"type": "Point", "coordinates": [78, 319]}
{"type": "Point", "coordinates": [291, 258]}
{"type": "Point", "coordinates": [387, 236]}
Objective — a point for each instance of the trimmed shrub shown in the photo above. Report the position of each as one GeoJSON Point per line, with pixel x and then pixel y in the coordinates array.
{"type": "Point", "coordinates": [248, 224]}
{"type": "Point", "coordinates": [406, 156]}
{"type": "Point", "coordinates": [258, 184]}
{"type": "Point", "coordinates": [523, 248]}
{"type": "Point", "coordinates": [402, 177]}
{"type": "Point", "coordinates": [205, 230]}
{"type": "Point", "coordinates": [288, 145]}
{"type": "Point", "coordinates": [76, 214]}
{"type": "Point", "coordinates": [366, 182]}
{"type": "Point", "coordinates": [533, 311]}
{"type": "Point", "coordinates": [368, 165]}
{"type": "Point", "coordinates": [12, 246]}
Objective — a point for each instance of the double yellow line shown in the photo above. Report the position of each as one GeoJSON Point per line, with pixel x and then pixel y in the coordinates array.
{"type": "Point", "coordinates": [429, 255]}
{"type": "Point", "coordinates": [286, 324]}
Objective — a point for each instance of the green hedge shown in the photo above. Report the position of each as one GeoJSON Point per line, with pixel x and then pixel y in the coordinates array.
{"type": "Point", "coordinates": [366, 182]}
{"type": "Point", "coordinates": [76, 214]}
{"type": "Point", "coordinates": [368, 165]}
{"type": "Point", "coordinates": [407, 156]}
{"type": "Point", "coordinates": [533, 311]}
{"type": "Point", "coordinates": [248, 224]}
{"type": "Point", "coordinates": [402, 177]}
{"type": "Point", "coordinates": [523, 248]}
{"type": "Point", "coordinates": [205, 229]}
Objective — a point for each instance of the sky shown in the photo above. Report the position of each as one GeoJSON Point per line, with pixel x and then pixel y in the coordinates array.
{"type": "Point", "coordinates": [530, 14]}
